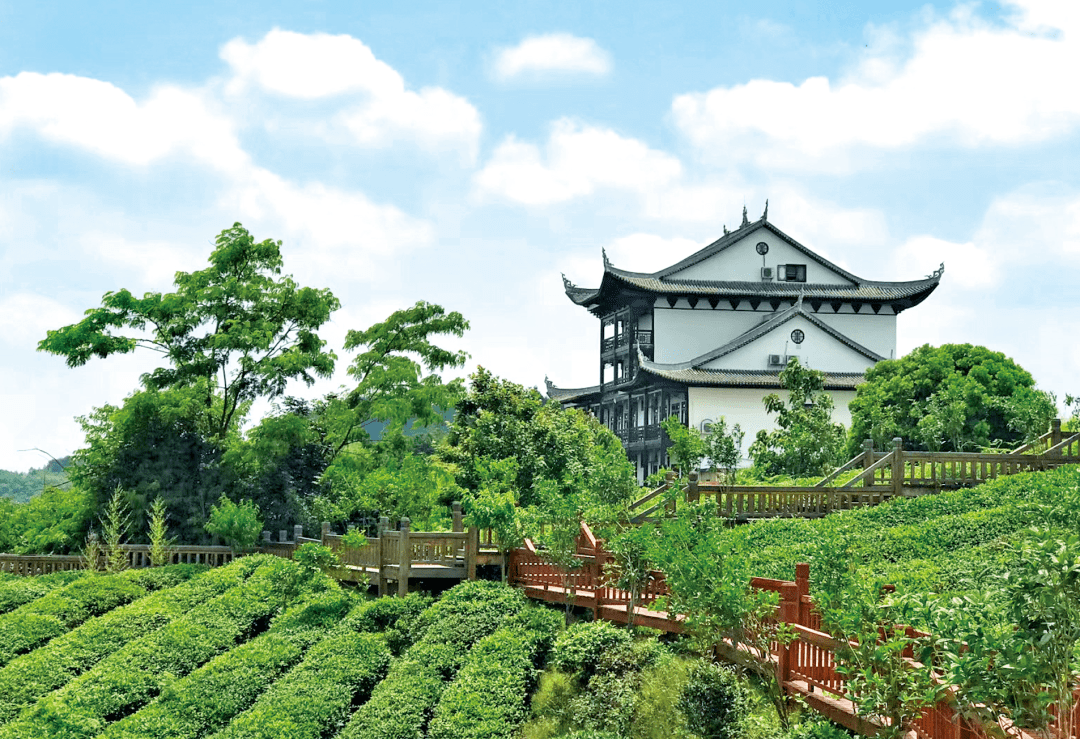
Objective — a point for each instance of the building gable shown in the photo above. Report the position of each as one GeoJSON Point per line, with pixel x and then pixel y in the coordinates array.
{"type": "Point", "coordinates": [737, 257]}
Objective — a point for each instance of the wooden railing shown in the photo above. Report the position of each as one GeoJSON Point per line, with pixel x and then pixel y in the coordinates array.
{"type": "Point", "coordinates": [805, 667]}
{"type": "Point", "coordinates": [881, 476]}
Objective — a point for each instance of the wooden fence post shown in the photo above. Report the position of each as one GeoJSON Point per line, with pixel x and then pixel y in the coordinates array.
{"type": "Point", "coordinates": [266, 537]}
{"type": "Point", "coordinates": [298, 532]}
{"type": "Point", "coordinates": [472, 548]}
{"type": "Point", "coordinates": [867, 460]}
{"type": "Point", "coordinates": [789, 613]}
{"type": "Point", "coordinates": [405, 561]}
{"type": "Point", "coordinates": [693, 494]}
{"type": "Point", "coordinates": [456, 515]}
{"type": "Point", "coordinates": [326, 533]}
{"type": "Point", "coordinates": [898, 467]}
{"type": "Point", "coordinates": [802, 586]}
{"type": "Point", "coordinates": [1055, 436]}
{"type": "Point", "coordinates": [380, 560]}
{"type": "Point", "coordinates": [597, 577]}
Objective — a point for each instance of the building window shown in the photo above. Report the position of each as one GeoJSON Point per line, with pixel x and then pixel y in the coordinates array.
{"type": "Point", "coordinates": [791, 272]}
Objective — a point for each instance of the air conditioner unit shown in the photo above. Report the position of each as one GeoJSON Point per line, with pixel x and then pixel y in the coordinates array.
{"type": "Point", "coordinates": [777, 360]}
{"type": "Point", "coordinates": [766, 273]}
{"type": "Point", "coordinates": [789, 357]}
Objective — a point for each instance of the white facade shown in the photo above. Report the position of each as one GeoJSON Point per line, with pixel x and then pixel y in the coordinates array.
{"type": "Point", "coordinates": [708, 336]}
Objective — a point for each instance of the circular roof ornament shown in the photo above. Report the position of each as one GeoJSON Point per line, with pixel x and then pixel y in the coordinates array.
{"type": "Point", "coordinates": [762, 248]}
{"type": "Point", "coordinates": [797, 336]}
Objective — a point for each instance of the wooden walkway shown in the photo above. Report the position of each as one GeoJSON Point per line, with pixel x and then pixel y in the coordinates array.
{"type": "Point", "coordinates": [882, 476]}
{"type": "Point", "coordinates": [806, 667]}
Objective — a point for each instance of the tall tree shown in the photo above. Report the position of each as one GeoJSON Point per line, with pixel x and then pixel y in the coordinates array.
{"type": "Point", "coordinates": [238, 330]}
{"type": "Point", "coordinates": [805, 441]}
{"type": "Point", "coordinates": [954, 397]}
{"type": "Point", "coordinates": [391, 387]}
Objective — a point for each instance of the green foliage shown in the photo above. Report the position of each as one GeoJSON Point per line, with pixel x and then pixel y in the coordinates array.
{"type": "Point", "coordinates": [15, 592]}
{"type": "Point", "coordinates": [20, 487]}
{"type": "Point", "coordinates": [716, 702]}
{"type": "Point", "coordinates": [631, 567]}
{"type": "Point", "coordinates": [207, 699]}
{"type": "Point", "coordinates": [402, 704]}
{"type": "Point", "coordinates": [316, 558]}
{"type": "Point", "coordinates": [558, 453]}
{"type": "Point", "coordinates": [156, 444]}
{"type": "Point", "coordinates": [35, 623]}
{"type": "Point", "coordinates": [806, 441]}
{"type": "Point", "coordinates": [239, 525]}
{"type": "Point", "coordinates": [956, 397]}
{"type": "Point", "coordinates": [237, 330]}
{"type": "Point", "coordinates": [52, 666]}
{"type": "Point", "coordinates": [687, 447]}
{"type": "Point", "coordinates": [160, 541]}
{"type": "Point", "coordinates": [114, 529]}
{"type": "Point", "coordinates": [586, 649]}
{"type": "Point", "coordinates": [487, 698]}
{"type": "Point", "coordinates": [136, 674]}
{"type": "Point", "coordinates": [390, 383]}
{"type": "Point", "coordinates": [313, 700]}
{"type": "Point", "coordinates": [398, 619]}
{"type": "Point", "coordinates": [54, 522]}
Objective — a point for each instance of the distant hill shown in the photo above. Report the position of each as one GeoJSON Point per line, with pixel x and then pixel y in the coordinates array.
{"type": "Point", "coordinates": [21, 486]}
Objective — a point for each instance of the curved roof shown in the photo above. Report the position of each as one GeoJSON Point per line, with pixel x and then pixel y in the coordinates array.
{"type": "Point", "coordinates": [901, 294]}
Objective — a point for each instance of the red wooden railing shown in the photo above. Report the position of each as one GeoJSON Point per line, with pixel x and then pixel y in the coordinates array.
{"type": "Point", "coordinates": [806, 666]}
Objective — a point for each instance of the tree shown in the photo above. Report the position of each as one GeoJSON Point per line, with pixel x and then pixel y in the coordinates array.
{"type": "Point", "coordinates": [239, 525]}
{"type": "Point", "coordinates": [391, 386]}
{"type": "Point", "coordinates": [687, 447]}
{"type": "Point", "coordinates": [719, 444]}
{"type": "Point", "coordinates": [562, 453]}
{"type": "Point", "coordinates": [236, 331]}
{"type": "Point", "coordinates": [806, 441]}
{"type": "Point", "coordinates": [955, 397]}
{"type": "Point", "coordinates": [158, 443]}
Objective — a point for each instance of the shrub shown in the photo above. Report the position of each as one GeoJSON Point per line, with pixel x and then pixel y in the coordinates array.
{"type": "Point", "coordinates": [131, 677]}
{"type": "Point", "coordinates": [468, 612]}
{"type": "Point", "coordinates": [401, 705]}
{"type": "Point", "coordinates": [238, 525]}
{"type": "Point", "coordinates": [18, 591]}
{"type": "Point", "coordinates": [656, 712]}
{"type": "Point", "coordinates": [313, 699]}
{"type": "Point", "coordinates": [207, 699]}
{"type": "Point", "coordinates": [715, 702]}
{"type": "Point", "coordinates": [581, 649]}
{"type": "Point", "coordinates": [397, 618]}
{"type": "Point", "coordinates": [487, 698]}
{"type": "Point", "coordinates": [35, 623]}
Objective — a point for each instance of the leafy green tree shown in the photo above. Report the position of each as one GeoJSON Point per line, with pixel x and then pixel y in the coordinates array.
{"type": "Point", "coordinates": [161, 544]}
{"type": "Point", "coordinates": [709, 579]}
{"type": "Point", "coordinates": [158, 443]}
{"type": "Point", "coordinates": [631, 567]}
{"type": "Point", "coordinates": [495, 506]}
{"type": "Point", "coordinates": [239, 525]}
{"type": "Point", "coordinates": [559, 453]}
{"type": "Point", "coordinates": [391, 387]}
{"type": "Point", "coordinates": [955, 397]}
{"type": "Point", "coordinates": [53, 522]}
{"type": "Point", "coordinates": [806, 441]}
{"type": "Point", "coordinates": [687, 447]}
{"type": "Point", "coordinates": [236, 331]}
{"type": "Point", "coordinates": [115, 523]}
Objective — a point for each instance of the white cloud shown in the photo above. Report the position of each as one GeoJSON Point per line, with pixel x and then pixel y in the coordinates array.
{"type": "Point", "coordinates": [577, 161]}
{"type": "Point", "coordinates": [552, 53]}
{"type": "Point", "coordinates": [25, 317]}
{"type": "Point", "coordinates": [100, 117]}
{"type": "Point", "coordinates": [966, 81]}
{"type": "Point", "coordinates": [337, 232]}
{"type": "Point", "coordinates": [318, 66]}
{"type": "Point", "coordinates": [971, 266]}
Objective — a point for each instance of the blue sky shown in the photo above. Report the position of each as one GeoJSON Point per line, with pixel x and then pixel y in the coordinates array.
{"type": "Point", "coordinates": [468, 153]}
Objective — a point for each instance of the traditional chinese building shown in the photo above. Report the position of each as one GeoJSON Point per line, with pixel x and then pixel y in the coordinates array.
{"type": "Point", "coordinates": [708, 336]}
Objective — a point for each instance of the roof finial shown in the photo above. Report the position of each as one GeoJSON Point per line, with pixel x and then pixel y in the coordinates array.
{"type": "Point", "coordinates": [765, 215]}
{"type": "Point", "coordinates": [745, 219]}
{"type": "Point", "coordinates": [567, 285]}
{"type": "Point", "coordinates": [937, 272]}
{"type": "Point", "coordinates": [726, 232]}
{"type": "Point", "coordinates": [607, 262]}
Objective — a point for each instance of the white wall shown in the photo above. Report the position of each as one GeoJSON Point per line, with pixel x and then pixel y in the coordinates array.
{"type": "Point", "coordinates": [740, 261]}
{"type": "Point", "coordinates": [744, 407]}
{"type": "Point", "coordinates": [819, 350]}
{"type": "Point", "coordinates": [682, 333]}
{"type": "Point", "coordinates": [875, 332]}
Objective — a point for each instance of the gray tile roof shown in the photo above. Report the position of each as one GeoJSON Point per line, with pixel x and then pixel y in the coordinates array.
{"type": "Point", "coordinates": [747, 378]}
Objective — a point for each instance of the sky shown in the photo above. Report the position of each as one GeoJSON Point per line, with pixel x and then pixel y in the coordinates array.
{"type": "Point", "coordinates": [468, 153]}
